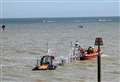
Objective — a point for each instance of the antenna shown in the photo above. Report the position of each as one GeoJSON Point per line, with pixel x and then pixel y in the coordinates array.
{"type": "Point", "coordinates": [37, 61]}
{"type": "Point", "coordinates": [47, 46]}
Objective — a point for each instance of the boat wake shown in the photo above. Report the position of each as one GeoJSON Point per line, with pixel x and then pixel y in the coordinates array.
{"type": "Point", "coordinates": [104, 55]}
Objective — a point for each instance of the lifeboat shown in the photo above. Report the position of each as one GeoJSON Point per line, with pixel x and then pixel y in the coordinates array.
{"type": "Point", "coordinates": [90, 55]}
{"type": "Point", "coordinates": [46, 63]}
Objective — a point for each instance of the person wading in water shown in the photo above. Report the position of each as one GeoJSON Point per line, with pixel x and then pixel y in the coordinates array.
{"type": "Point", "coordinates": [3, 27]}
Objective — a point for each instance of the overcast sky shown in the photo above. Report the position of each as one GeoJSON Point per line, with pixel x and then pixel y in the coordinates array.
{"type": "Point", "coordinates": [58, 8]}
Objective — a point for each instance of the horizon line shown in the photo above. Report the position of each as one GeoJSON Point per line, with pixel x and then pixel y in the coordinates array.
{"type": "Point", "coordinates": [56, 17]}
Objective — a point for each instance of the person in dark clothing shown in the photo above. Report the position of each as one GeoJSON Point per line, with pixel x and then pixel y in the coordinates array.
{"type": "Point", "coordinates": [77, 44]}
{"type": "Point", "coordinates": [3, 27]}
{"type": "Point", "coordinates": [90, 50]}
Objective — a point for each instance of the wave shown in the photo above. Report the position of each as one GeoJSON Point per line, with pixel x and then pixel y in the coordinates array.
{"type": "Point", "coordinates": [104, 55]}
{"type": "Point", "coordinates": [104, 20]}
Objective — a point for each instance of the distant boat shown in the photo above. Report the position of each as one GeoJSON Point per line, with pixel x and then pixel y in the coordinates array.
{"type": "Point", "coordinates": [51, 21]}
{"type": "Point", "coordinates": [47, 21]}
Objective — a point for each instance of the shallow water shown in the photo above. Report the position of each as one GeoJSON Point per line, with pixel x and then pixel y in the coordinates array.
{"type": "Point", "coordinates": [22, 44]}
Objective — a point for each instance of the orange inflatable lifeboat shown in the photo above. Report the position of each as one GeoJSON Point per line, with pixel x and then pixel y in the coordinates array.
{"type": "Point", "coordinates": [89, 54]}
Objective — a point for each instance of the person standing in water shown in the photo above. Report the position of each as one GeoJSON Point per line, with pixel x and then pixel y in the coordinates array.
{"type": "Point", "coordinates": [77, 44]}
{"type": "Point", "coordinates": [3, 27]}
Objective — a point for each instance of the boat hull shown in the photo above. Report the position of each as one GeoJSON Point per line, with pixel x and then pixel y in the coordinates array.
{"type": "Point", "coordinates": [88, 56]}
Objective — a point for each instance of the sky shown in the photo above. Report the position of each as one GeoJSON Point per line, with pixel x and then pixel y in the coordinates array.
{"type": "Point", "coordinates": [58, 8]}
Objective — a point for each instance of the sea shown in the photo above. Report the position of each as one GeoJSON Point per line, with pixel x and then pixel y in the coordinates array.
{"type": "Point", "coordinates": [26, 39]}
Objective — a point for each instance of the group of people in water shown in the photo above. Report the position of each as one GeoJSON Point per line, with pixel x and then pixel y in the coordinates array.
{"type": "Point", "coordinates": [82, 50]}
